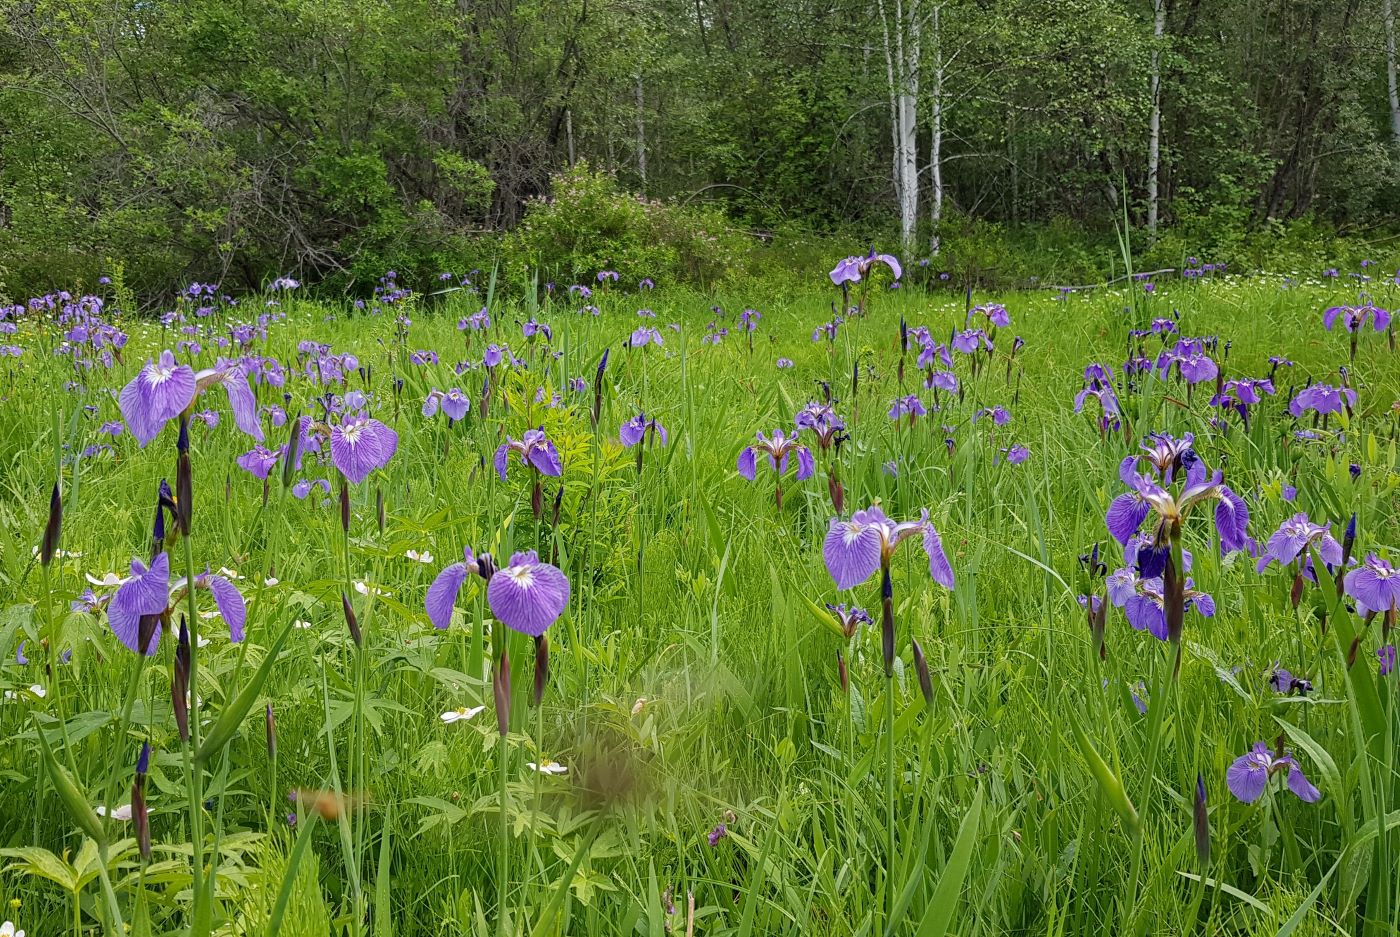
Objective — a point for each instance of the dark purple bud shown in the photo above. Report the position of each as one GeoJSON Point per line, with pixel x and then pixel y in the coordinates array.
{"type": "Point", "coordinates": [541, 668]}
{"type": "Point", "coordinates": [140, 817]}
{"type": "Point", "coordinates": [53, 529]}
{"type": "Point", "coordinates": [1355, 471]}
{"type": "Point", "coordinates": [143, 760]}
{"type": "Point", "coordinates": [351, 621]}
{"type": "Point", "coordinates": [887, 619]}
{"type": "Point", "coordinates": [271, 724]}
{"type": "Point", "coordinates": [903, 336]}
{"type": "Point", "coordinates": [379, 507]}
{"type": "Point", "coordinates": [1201, 822]}
{"type": "Point", "coordinates": [184, 492]}
{"type": "Point", "coordinates": [344, 505]}
{"type": "Point", "coordinates": [182, 442]}
{"type": "Point", "coordinates": [180, 683]}
{"type": "Point", "coordinates": [921, 670]}
{"type": "Point", "coordinates": [289, 461]}
{"type": "Point", "coordinates": [837, 492]}
{"type": "Point", "coordinates": [1349, 539]}
{"type": "Point", "coordinates": [842, 672]}
{"type": "Point", "coordinates": [146, 632]}
{"type": "Point", "coordinates": [500, 689]}
{"type": "Point", "coordinates": [1352, 652]}
{"type": "Point", "coordinates": [1296, 593]}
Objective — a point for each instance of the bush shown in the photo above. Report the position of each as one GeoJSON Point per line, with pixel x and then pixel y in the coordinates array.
{"type": "Point", "coordinates": [590, 224]}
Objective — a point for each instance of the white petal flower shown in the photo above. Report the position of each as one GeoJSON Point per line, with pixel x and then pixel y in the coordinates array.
{"type": "Point", "coordinates": [460, 715]}
{"type": "Point", "coordinates": [108, 579]}
{"type": "Point", "coordinates": [120, 813]}
{"type": "Point", "coordinates": [549, 767]}
{"type": "Point", "coordinates": [425, 557]}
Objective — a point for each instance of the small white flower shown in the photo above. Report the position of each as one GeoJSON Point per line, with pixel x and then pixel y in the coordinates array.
{"type": "Point", "coordinates": [425, 557]}
{"type": "Point", "coordinates": [549, 767]}
{"type": "Point", "coordinates": [7, 929]}
{"type": "Point", "coordinates": [303, 625]}
{"type": "Point", "coordinates": [36, 690]}
{"type": "Point", "coordinates": [459, 715]}
{"type": "Point", "coordinates": [229, 573]}
{"type": "Point", "coordinates": [120, 813]}
{"type": "Point", "coordinates": [108, 579]}
{"type": "Point", "coordinates": [637, 706]}
{"type": "Point", "coordinates": [365, 588]}
{"type": "Point", "coordinates": [271, 581]}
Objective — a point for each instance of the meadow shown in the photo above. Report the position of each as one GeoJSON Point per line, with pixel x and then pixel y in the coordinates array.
{"type": "Point", "coordinates": [986, 646]}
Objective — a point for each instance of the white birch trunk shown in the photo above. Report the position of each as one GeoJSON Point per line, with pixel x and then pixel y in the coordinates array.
{"type": "Point", "coordinates": [909, 46]}
{"type": "Point", "coordinates": [1154, 138]}
{"type": "Point", "coordinates": [1388, 10]}
{"type": "Point", "coordinates": [641, 134]}
{"type": "Point", "coordinates": [935, 155]}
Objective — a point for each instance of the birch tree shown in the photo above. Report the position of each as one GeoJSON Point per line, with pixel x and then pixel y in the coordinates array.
{"type": "Point", "coordinates": [901, 33]}
{"type": "Point", "coordinates": [1154, 133]}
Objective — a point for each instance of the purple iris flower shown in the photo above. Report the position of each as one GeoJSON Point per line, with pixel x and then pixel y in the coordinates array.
{"type": "Point", "coordinates": [260, 460]}
{"type": "Point", "coordinates": [969, 340]}
{"type": "Point", "coordinates": [827, 330]}
{"type": "Point", "coordinates": [1142, 601]}
{"type": "Point", "coordinates": [227, 599]}
{"type": "Point", "coordinates": [605, 275]}
{"type": "Point", "coordinates": [453, 403]}
{"type": "Point", "coordinates": [931, 352]}
{"type": "Point", "coordinates": [995, 314]}
{"type": "Point", "coordinates": [534, 449]}
{"type": "Point", "coordinates": [908, 404]}
{"type": "Point", "coordinates": [533, 328]}
{"type": "Point", "coordinates": [853, 550]}
{"type": "Point", "coordinates": [822, 420]}
{"type": "Point", "coordinates": [1166, 456]}
{"type": "Point", "coordinates": [1099, 385]}
{"type": "Point", "coordinates": [1354, 318]}
{"type": "Point", "coordinates": [854, 269]}
{"type": "Point", "coordinates": [361, 444]}
{"type": "Point", "coordinates": [646, 335]}
{"type": "Point", "coordinates": [849, 617]}
{"type": "Point", "coordinates": [1282, 681]}
{"type": "Point", "coordinates": [777, 448]}
{"type": "Point", "coordinates": [1322, 399]}
{"type": "Point", "coordinates": [494, 355]}
{"type": "Point", "coordinates": [481, 319]}
{"type": "Point", "coordinates": [1249, 776]}
{"type": "Point", "coordinates": [443, 592]}
{"type": "Point", "coordinates": [1197, 368]}
{"type": "Point", "coordinates": [1386, 657]}
{"type": "Point", "coordinates": [646, 283]}
{"type": "Point", "coordinates": [1017, 454]}
{"type": "Point", "coordinates": [1000, 415]}
{"type": "Point", "coordinates": [528, 596]}
{"type": "Point", "coordinates": [159, 393]}
{"type": "Point", "coordinates": [1293, 537]}
{"type": "Point", "coordinates": [1374, 585]}
{"type": "Point", "coordinates": [145, 595]}
{"type": "Point", "coordinates": [635, 430]}
{"type": "Point", "coordinates": [942, 380]}
{"type": "Point", "coordinates": [303, 487]}
{"type": "Point", "coordinates": [783, 363]}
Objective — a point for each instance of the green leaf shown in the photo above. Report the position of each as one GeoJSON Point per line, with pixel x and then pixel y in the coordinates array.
{"type": "Point", "coordinates": [939, 915]}
{"type": "Point", "coordinates": [236, 711]}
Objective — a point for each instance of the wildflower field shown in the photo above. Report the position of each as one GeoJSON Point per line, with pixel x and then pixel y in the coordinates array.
{"type": "Point", "coordinates": [627, 609]}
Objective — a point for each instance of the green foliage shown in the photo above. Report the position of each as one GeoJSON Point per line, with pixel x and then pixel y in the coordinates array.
{"type": "Point", "coordinates": [590, 224]}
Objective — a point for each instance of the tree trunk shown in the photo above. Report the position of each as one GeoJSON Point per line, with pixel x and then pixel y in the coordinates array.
{"type": "Point", "coordinates": [1388, 11]}
{"type": "Point", "coordinates": [935, 156]}
{"type": "Point", "coordinates": [902, 51]}
{"type": "Point", "coordinates": [1154, 137]}
{"type": "Point", "coordinates": [641, 134]}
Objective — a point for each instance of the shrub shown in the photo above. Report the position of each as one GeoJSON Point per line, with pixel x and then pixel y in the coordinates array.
{"type": "Point", "coordinates": [590, 224]}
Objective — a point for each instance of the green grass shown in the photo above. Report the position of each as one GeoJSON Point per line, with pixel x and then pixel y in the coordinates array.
{"type": "Point", "coordinates": [690, 682]}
